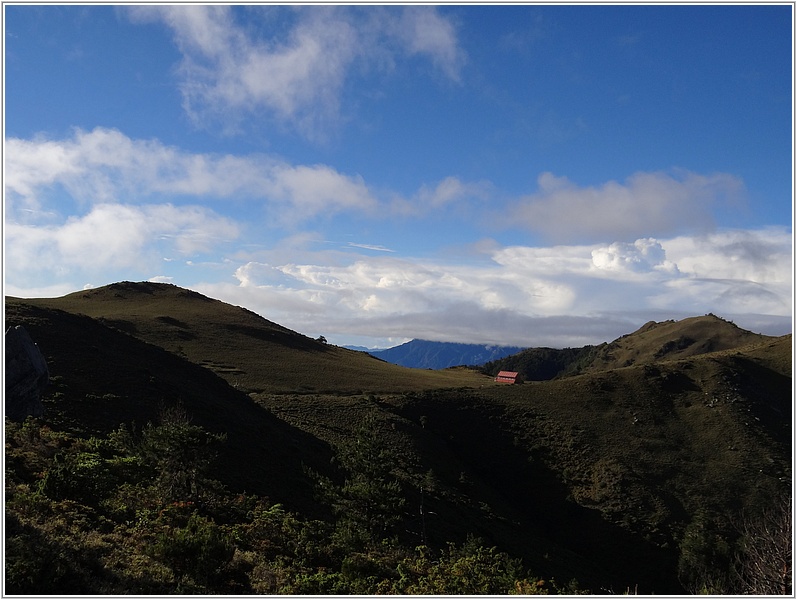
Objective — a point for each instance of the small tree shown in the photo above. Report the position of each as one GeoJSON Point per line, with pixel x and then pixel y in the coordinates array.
{"type": "Point", "coordinates": [369, 503]}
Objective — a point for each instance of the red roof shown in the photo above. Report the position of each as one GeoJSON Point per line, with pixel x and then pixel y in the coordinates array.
{"type": "Point", "coordinates": [508, 374]}
{"type": "Point", "coordinates": [507, 377]}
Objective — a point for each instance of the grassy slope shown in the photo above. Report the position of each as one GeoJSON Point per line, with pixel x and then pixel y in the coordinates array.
{"type": "Point", "coordinates": [250, 352]}
{"type": "Point", "coordinates": [592, 476]}
{"type": "Point", "coordinates": [670, 340]}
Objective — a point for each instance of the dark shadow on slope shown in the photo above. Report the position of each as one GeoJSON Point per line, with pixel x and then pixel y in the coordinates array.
{"type": "Point", "coordinates": [172, 321]}
{"type": "Point", "coordinates": [771, 393]}
{"type": "Point", "coordinates": [102, 378]}
{"type": "Point", "coordinates": [611, 559]}
{"type": "Point", "coordinates": [285, 338]}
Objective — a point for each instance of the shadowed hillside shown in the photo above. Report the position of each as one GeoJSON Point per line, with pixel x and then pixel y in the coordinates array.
{"type": "Point", "coordinates": [102, 378]}
{"type": "Point", "coordinates": [542, 364]}
{"type": "Point", "coordinates": [605, 477]}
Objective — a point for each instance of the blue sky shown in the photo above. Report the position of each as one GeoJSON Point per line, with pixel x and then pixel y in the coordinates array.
{"type": "Point", "coordinates": [522, 174]}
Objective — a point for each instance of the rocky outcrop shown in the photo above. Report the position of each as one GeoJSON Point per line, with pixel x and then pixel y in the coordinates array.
{"type": "Point", "coordinates": [26, 375]}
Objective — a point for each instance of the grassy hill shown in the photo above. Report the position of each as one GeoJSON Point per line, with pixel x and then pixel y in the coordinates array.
{"type": "Point", "coordinates": [653, 342]}
{"type": "Point", "coordinates": [672, 340]}
{"type": "Point", "coordinates": [250, 352]}
{"type": "Point", "coordinates": [675, 431]}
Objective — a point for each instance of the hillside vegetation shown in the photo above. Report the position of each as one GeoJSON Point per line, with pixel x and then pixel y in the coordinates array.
{"type": "Point", "coordinates": [643, 465]}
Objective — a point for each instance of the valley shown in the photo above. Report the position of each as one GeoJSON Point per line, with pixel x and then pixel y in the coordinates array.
{"type": "Point", "coordinates": [625, 466]}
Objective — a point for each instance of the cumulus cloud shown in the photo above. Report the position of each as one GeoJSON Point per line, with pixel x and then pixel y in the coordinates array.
{"type": "Point", "coordinates": [642, 256]}
{"type": "Point", "coordinates": [654, 204]}
{"type": "Point", "coordinates": [318, 189]}
{"type": "Point", "coordinates": [558, 295]}
{"type": "Point", "coordinates": [297, 71]}
{"type": "Point", "coordinates": [114, 236]}
{"type": "Point", "coordinates": [387, 285]}
{"type": "Point", "coordinates": [125, 215]}
{"type": "Point", "coordinates": [104, 165]}
{"type": "Point", "coordinates": [161, 279]}
{"type": "Point", "coordinates": [39, 289]}
{"type": "Point", "coordinates": [732, 271]}
{"type": "Point", "coordinates": [762, 256]}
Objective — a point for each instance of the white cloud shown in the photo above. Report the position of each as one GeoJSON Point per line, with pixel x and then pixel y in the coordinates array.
{"type": "Point", "coordinates": [29, 165]}
{"type": "Point", "coordinates": [508, 294]}
{"type": "Point", "coordinates": [560, 295]}
{"type": "Point", "coordinates": [104, 165]}
{"type": "Point", "coordinates": [762, 256]}
{"type": "Point", "coordinates": [426, 32]}
{"type": "Point", "coordinates": [319, 189]}
{"type": "Point", "coordinates": [161, 279]}
{"type": "Point", "coordinates": [732, 272]}
{"type": "Point", "coordinates": [112, 236]}
{"type": "Point", "coordinates": [544, 261]}
{"type": "Point", "coordinates": [723, 297]}
{"type": "Point", "coordinates": [450, 193]}
{"type": "Point", "coordinates": [228, 71]}
{"type": "Point", "coordinates": [654, 204]}
{"type": "Point", "coordinates": [39, 290]}
{"type": "Point", "coordinates": [641, 256]}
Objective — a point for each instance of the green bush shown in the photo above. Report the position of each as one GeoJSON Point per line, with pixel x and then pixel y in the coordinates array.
{"type": "Point", "coordinates": [181, 454]}
{"type": "Point", "coordinates": [81, 476]}
{"type": "Point", "coordinates": [199, 551]}
{"type": "Point", "coordinates": [469, 569]}
{"type": "Point", "coordinates": [706, 555]}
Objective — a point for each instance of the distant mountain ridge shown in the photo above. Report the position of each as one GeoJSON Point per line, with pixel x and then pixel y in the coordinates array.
{"type": "Point", "coordinates": [425, 354]}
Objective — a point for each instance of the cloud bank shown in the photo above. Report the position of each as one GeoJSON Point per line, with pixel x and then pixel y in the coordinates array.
{"type": "Point", "coordinates": [530, 296]}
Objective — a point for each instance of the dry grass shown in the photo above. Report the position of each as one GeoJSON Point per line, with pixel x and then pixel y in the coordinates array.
{"type": "Point", "coordinates": [672, 340]}
{"type": "Point", "coordinates": [253, 354]}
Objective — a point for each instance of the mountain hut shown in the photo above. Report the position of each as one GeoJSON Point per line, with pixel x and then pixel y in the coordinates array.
{"type": "Point", "coordinates": [508, 377]}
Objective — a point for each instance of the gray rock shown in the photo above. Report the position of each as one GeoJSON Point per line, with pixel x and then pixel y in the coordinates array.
{"type": "Point", "coordinates": [26, 375]}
